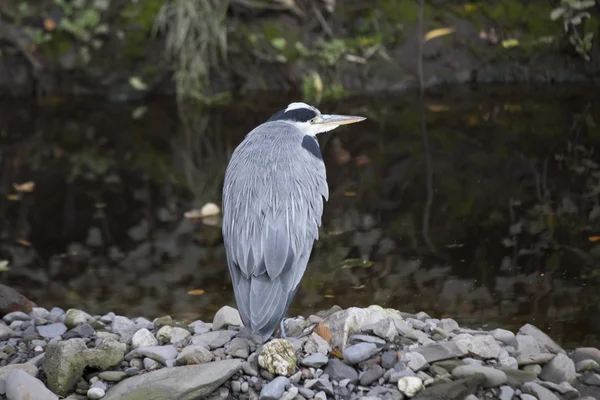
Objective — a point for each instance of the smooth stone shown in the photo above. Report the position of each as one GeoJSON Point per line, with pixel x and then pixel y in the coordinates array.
{"type": "Point", "coordinates": [158, 353]}
{"type": "Point", "coordinates": [274, 390]}
{"type": "Point", "coordinates": [226, 317]}
{"type": "Point", "coordinates": [315, 360]}
{"type": "Point", "coordinates": [448, 325]}
{"type": "Point", "coordinates": [112, 376]}
{"type": "Point", "coordinates": [143, 338]}
{"type": "Point", "coordinates": [385, 329]}
{"type": "Point", "coordinates": [441, 351]}
{"type": "Point", "coordinates": [504, 336]}
{"type": "Point", "coordinates": [560, 369]}
{"type": "Point", "coordinates": [526, 346]}
{"type": "Point", "coordinates": [592, 380]}
{"type": "Point", "coordinates": [181, 383]}
{"type": "Point", "coordinates": [367, 339]}
{"type": "Point", "coordinates": [338, 370]}
{"type": "Point", "coordinates": [586, 353]}
{"type": "Point", "coordinates": [455, 390]}
{"type": "Point", "coordinates": [162, 321]}
{"type": "Point", "coordinates": [5, 332]}
{"type": "Point", "coordinates": [96, 393]}
{"type": "Point", "coordinates": [316, 344]}
{"type": "Point", "coordinates": [517, 377]}
{"type": "Point", "coordinates": [541, 358]}
{"type": "Point", "coordinates": [564, 388]}
{"type": "Point", "coordinates": [484, 346]}
{"type": "Point", "coordinates": [16, 316]}
{"type": "Point", "coordinates": [65, 361]}
{"type": "Point", "coordinates": [359, 352]}
{"type": "Point", "coordinates": [20, 385]}
{"type": "Point", "coordinates": [76, 317]}
{"type": "Point", "coordinates": [538, 391]}
{"type": "Point", "coordinates": [506, 393]}
{"type": "Point", "coordinates": [415, 361]}
{"type": "Point", "coordinates": [194, 355]}
{"type": "Point", "coordinates": [542, 338]}
{"type": "Point", "coordinates": [389, 359]}
{"type": "Point", "coordinates": [149, 364]}
{"type": "Point", "coordinates": [525, 396]}
{"type": "Point", "coordinates": [214, 339]}
{"type": "Point", "coordinates": [410, 385]}
{"type": "Point", "coordinates": [27, 367]}
{"type": "Point", "coordinates": [587, 365]}
{"type": "Point", "coordinates": [493, 376]}
{"type": "Point", "coordinates": [172, 334]}
{"type": "Point", "coordinates": [371, 375]}
{"type": "Point", "coordinates": [533, 368]}
{"type": "Point", "coordinates": [51, 331]}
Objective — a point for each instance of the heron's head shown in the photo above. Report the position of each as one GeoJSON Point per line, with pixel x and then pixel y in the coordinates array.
{"type": "Point", "coordinates": [310, 120]}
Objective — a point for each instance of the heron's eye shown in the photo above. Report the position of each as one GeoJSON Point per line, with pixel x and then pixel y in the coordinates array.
{"type": "Point", "coordinates": [314, 120]}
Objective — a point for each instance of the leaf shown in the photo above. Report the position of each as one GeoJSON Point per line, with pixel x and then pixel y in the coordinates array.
{"type": "Point", "coordinates": [557, 13]}
{"type": "Point", "coordinates": [582, 5]}
{"type": "Point", "coordinates": [337, 353]}
{"type": "Point", "coordinates": [13, 197]}
{"type": "Point", "coordinates": [137, 83]}
{"type": "Point", "coordinates": [24, 187]}
{"type": "Point", "coordinates": [196, 292]}
{"type": "Point", "coordinates": [279, 43]}
{"type": "Point", "coordinates": [139, 112]}
{"type": "Point", "coordinates": [24, 242]}
{"type": "Point", "coordinates": [329, 296]}
{"type": "Point", "coordinates": [349, 194]}
{"type": "Point", "coordinates": [508, 43]}
{"type": "Point", "coordinates": [356, 262]}
{"type": "Point", "coordinates": [4, 265]}
{"type": "Point", "coordinates": [438, 107]}
{"type": "Point", "coordinates": [438, 32]}
{"type": "Point", "coordinates": [324, 332]}
{"type": "Point", "coordinates": [594, 238]}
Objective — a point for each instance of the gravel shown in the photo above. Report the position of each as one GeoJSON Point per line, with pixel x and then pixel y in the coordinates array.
{"type": "Point", "coordinates": [371, 353]}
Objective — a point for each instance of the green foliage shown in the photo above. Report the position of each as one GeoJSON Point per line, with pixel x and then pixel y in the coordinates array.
{"type": "Point", "coordinates": [573, 13]}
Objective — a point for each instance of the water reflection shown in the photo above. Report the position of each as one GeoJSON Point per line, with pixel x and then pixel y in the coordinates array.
{"type": "Point", "coordinates": [496, 231]}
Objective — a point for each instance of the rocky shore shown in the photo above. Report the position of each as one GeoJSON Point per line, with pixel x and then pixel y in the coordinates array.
{"type": "Point", "coordinates": [370, 353]}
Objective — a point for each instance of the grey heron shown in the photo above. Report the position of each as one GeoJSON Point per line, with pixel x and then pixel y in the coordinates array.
{"type": "Point", "coordinates": [273, 195]}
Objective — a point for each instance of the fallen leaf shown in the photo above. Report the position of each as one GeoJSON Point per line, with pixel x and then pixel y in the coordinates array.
{"type": "Point", "coordinates": [13, 197]}
{"type": "Point", "coordinates": [337, 353]}
{"type": "Point", "coordinates": [594, 238]}
{"type": "Point", "coordinates": [4, 265]}
{"type": "Point", "coordinates": [438, 107]}
{"type": "Point", "coordinates": [24, 187]}
{"type": "Point", "coordinates": [196, 292]}
{"type": "Point", "coordinates": [24, 242]}
{"type": "Point", "coordinates": [438, 32]}
{"type": "Point", "coordinates": [349, 194]}
{"type": "Point", "coordinates": [471, 7]}
{"type": "Point", "coordinates": [137, 83]}
{"type": "Point", "coordinates": [49, 24]}
{"type": "Point", "coordinates": [329, 296]}
{"type": "Point", "coordinates": [324, 332]}
{"type": "Point", "coordinates": [508, 43]}
{"type": "Point", "coordinates": [362, 160]}
{"type": "Point", "coordinates": [356, 262]}
{"type": "Point", "coordinates": [358, 287]}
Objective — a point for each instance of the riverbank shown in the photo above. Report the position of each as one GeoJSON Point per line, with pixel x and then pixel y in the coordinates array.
{"type": "Point", "coordinates": [368, 353]}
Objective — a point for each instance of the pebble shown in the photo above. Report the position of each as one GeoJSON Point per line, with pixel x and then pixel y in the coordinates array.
{"type": "Point", "coordinates": [194, 355]}
{"type": "Point", "coordinates": [410, 385]}
{"type": "Point", "coordinates": [170, 334]}
{"type": "Point", "coordinates": [316, 360]}
{"type": "Point", "coordinates": [51, 331]}
{"type": "Point", "coordinates": [338, 371]}
{"type": "Point", "coordinates": [143, 338]}
{"type": "Point", "coordinates": [95, 393]}
{"type": "Point", "coordinates": [359, 352]}
{"type": "Point", "coordinates": [274, 389]}
{"type": "Point", "coordinates": [494, 377]}
{"type": "Point", "coordinates": [560, 369]}
{"type": "Point", "coordinates": [227, 316]}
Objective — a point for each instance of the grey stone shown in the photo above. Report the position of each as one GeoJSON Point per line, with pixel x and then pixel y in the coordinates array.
{"type": "Point", "coordinates": [181, 383]}
{"type": "Point", "coordinates": [586, 353]}
{"type": "Point", "coordinates": [199, 327]}
{"type": "Point", "coordinates": [143, 338]}
{"type": "Point", "coordinates": [359, 352]}
{"type": "Point", "coordinates": [538, 391]}
{"type": "Point", "coordinates": [16, 316]}
{"type": "Point", "coordinates": [315, 360]}
{"type": "Point", "coordinates": [194, 355]}
{"type": "Point", "coordinates": [172, 334]}
{"type": "Point", "coordinates": [504, 336]}
{"type": "Point", "coordinates": [22, 386]}
{"type": "Point", "coordinates": [51, 331]}
{"type": "Point", "coordinates": [371, 375]}
{"type": "Point", "coordinates": [5, 332]}
{"type": "Point", "coordinates": [65, 361]}
{"type": "Point", "coordinates": [517, 377]}
{"type": "Point", "coordinates": [214, 339]}
{"type": "Point", "coordinates": [506, 393]}
{"type": "Point", "coordinates": [316, 344]}
{"type": "Point", "coordinates": [321, 396]}
{"type": "Point", "coordinates": [39, 312]}
{"type": "Point", "coordinates": [533, 368]}
{"type": "Point", "coordinates": [541, 358]}
{"type": "Point", "coordinates": [368, 339]}
{"type": "Point", "coordinates": [448, 324]}
{"type": "Point", "coordinates": [76, 317]}
{"type": "Point", "coordinates": [456, 390]}
{"type": "Point", "coordinates": [82, 331]}
{"type": "Point", "coordinates": [389, 359]}
{"type": "Point", "coordinates": [158, 353]}
{"type": "Point", "coordinates": [319, 385]}
{"type": "Point", "coordinates": [494, 377]}
{"type": "Point", "coordinates": [484, 346]}
{"type": "Point", "coordinates": [542, 338]}
{"type": "Point", "coordinates": [225, 317]}
{"type": "Point", "coordinates": [8, 369]}
{"type": "Point", "coordinates": [112, 376]}
{"type": "Point", "coordinates": [564, 388]}
{"type": "Point", "coordinates": [338, 371]}
{"type": "Point", "coordinates": [560, 369]}
{"type": "Point", "coordinates": [384, 329]}
{"type": "Point", "coordinates": [149, 364]}
{"type": "Point", "coordinates": [526, 345]}
{"type": "Point", "coordinates": [441, 351]}
{"type": "Point", "coordinates": [525, 396]}
{"type": "Point", "coordinates": [238, 347]}
{"type": "Point", "coordinates": [124, 327]}
{"type": "Point", "coordinates": [592, 380]}
{"type": "Point", "coordinates": [415, 361]}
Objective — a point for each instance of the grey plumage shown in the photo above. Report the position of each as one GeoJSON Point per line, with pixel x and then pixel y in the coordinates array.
{"type": "Point", "coordinates": [272, 207]}
{"type": "Point", "coordinates": [273, 195]}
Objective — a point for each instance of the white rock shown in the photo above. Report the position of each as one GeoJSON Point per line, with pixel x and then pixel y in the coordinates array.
{"type": "Point", "coordinates": [225, 317]}
{"type": "Point", "coordinates": [143, 338]}
{"type": "Point", "coordinates": [171, 334]}
{"type": "Point", "coordinates": [410, 385]}
{"type": "Point", "coordinates": [95, 393]}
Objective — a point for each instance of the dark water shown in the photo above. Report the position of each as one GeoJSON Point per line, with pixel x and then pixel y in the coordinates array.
{"type": "Point", "coordinates": [484, 211]}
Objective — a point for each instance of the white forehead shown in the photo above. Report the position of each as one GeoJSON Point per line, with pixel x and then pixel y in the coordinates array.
{"type": "Point", "coordinates": [297, 105]}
